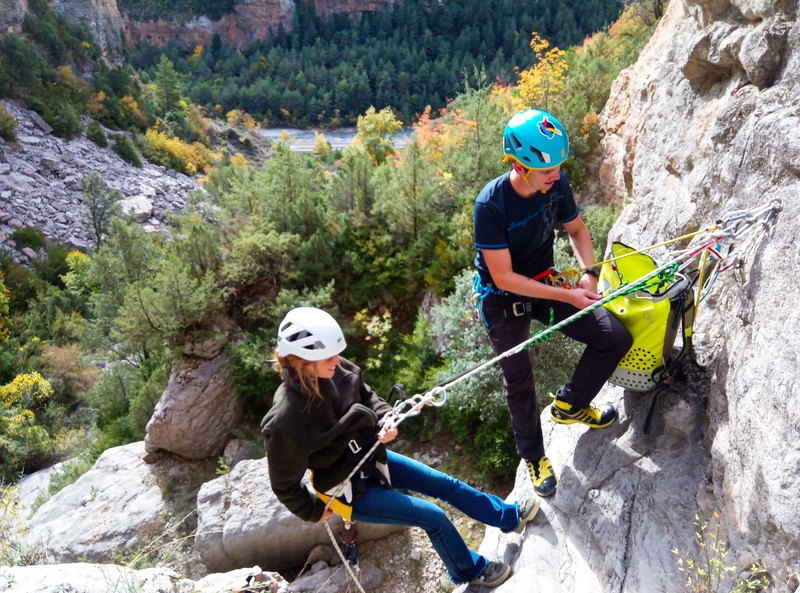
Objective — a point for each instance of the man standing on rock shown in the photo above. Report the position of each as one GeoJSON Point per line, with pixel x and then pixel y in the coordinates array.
{"type": "Point", "coordinates": [515, 219]}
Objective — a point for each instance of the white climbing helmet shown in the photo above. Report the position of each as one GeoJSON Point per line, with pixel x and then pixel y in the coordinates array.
{"type": "Point", "coordinates": [310, 333]}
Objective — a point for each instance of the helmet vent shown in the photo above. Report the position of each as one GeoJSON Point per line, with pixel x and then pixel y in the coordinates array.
{"type": "Point", "coordinates": [545, 158]}
{"type": "Point", "coordinates": [298, 336]}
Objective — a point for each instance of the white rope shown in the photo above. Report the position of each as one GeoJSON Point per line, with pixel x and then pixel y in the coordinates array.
{"type": "Point", "coordinates": [346, 563]}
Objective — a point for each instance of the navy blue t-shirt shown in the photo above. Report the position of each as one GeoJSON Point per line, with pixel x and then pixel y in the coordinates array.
{"type": "Point", "coordinates": [525, 226]}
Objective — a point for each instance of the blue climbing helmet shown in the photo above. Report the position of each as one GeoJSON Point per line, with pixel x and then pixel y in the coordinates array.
{"type": "Point", "coordinates": [536, 140]}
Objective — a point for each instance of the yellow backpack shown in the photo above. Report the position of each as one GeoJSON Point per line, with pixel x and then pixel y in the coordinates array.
{"type": "Point", "coordinates": [653, 316]}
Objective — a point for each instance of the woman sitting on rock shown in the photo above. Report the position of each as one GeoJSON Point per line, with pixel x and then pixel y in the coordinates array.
{"type": "Point", "coordinates": [325, 418]}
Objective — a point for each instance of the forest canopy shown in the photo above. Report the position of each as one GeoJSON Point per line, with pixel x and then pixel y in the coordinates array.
{"type": "Point", "coordinates": [326, 72]}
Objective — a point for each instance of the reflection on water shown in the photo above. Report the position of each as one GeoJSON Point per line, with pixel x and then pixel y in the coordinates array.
{"type": "Point", "coordinates": [303, 140]}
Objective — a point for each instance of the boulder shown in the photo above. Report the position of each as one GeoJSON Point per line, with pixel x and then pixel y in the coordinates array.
{"type": "Point", "coordinates": [113, 507]}
{"type": "Point", "coordinates": [112, 578]}
{"type": "Point", "coordinates": [197, 412]}
{"type": "Point", "coordinates": [241, 522]}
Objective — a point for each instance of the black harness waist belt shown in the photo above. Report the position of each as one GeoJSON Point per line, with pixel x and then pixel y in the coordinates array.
{"type": "Point", "coordinates": [515, 309]}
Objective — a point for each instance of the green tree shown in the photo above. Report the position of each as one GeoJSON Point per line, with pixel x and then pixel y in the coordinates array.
{"type": "Point", "coordinates": [171, 307]}
{"type": "Point", "coordinates": [100, 205]}
{"type": "Point", "coordinates": [125, 258]}
{"type": "Point", "coordinates": [293, 200]}
{"type": "Point", "coordinates": [352, 189]}
{"type": "Point", "coordinates": [255, 271]}
{"type": "Point", "coordinates": [167, 87]}
{"type": "Point", "coordinates": [21, 65]}
{"type": "Point", "coordinates": [376, 130]}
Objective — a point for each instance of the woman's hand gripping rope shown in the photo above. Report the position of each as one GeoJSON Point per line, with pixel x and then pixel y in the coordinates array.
{"type": "Point", "coordinates": [388, 429]}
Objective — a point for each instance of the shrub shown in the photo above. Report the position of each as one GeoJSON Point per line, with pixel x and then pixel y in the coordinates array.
{"type": "Point", "coordinates": [8, 125]}
{"type": "Point", "coordinates": [29, 236]}
{"type": "Point", "coordinates": [710, 572]}
{"type": "Point", "coordinates": [12, 551]}
{"type": "Point", "coordinates": [5, 296]}
{"type": "Point", "coordinates": [61, 116]}
{"type": "Point", "coordinates": [24, 442]}
{"type": "Point", "coordinates": [125, 149]}
{"type": "Point", "coordinates": [96, 134]}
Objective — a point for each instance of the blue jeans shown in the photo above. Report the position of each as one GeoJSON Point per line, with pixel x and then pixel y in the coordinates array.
{"type": "Point", "coordinates": [391, 506]}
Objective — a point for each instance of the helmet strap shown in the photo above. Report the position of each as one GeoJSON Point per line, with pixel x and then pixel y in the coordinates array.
{"type": "Point", "coordinates": [522, 171]}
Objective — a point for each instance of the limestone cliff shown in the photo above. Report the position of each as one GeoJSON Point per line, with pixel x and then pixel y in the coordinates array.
{"type": "Point", "coordinates": [11, 14]}
{"type": "Point", "coordinates": [251, 22]}
{"type": "Point", "coordinates": [704, 124]}
{"type": "Point", "coordinates": [101, 17]}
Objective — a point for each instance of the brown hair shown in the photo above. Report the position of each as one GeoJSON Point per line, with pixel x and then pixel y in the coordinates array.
{"type": "Point", "coordinates": [302, 371]}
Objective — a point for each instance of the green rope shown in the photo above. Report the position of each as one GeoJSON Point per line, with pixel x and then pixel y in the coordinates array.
{"type": "Point", "coordinates": [655, 279]}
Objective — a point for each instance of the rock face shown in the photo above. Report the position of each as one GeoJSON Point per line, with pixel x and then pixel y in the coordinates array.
{"type": "Point", "coordinates": [101, 17]}
{"type": "Point", "coordinates": [103, 20]}
{"type": "Point", "coordinates": [251, 22]}
{"type": "Point", "coordinates": [12, 12]}
{"type": "Point", "coordinates": [102, 578]}
{"type": "Point", "coordinates": [705, 123]}
{"type": "Point", "coordinates": [41, 182]}
{"type": "Point", "coordinates": [708, 117]}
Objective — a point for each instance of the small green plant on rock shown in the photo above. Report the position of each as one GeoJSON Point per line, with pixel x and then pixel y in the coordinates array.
{"type": "Point", "coordinates": [8, 125]}
{"type": "Point", "coordinates": [709, 571]}
{"type": "Point", "coordinates": [13, 552]}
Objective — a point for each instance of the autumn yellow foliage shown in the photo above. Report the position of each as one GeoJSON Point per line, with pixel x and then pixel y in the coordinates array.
{"type": "Point", "coordinates": [174, 153]}
{"type": "Point", "coordinates": [21, 437]}
{"type": "Point", "coordinates": [130, 112]}
{"type": "Point", "coordinates": [237, 117]}
{"type": "Point", "coordinates": [541, 84]}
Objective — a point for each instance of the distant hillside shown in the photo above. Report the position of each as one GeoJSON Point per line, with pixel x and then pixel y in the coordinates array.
{"type": "Point", "coordinates": [308, 64]}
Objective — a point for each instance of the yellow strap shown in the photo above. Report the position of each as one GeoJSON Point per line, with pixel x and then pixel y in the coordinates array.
{"type": "Point", "coordinates": [578, 272]}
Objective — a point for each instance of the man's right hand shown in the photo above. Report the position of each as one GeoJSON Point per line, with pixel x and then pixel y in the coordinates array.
{"type": "Point", "coordinates": [582, 298]}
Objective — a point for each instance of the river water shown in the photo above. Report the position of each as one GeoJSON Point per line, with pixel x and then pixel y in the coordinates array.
{"type": "Point", "coordinates": [303, 140]}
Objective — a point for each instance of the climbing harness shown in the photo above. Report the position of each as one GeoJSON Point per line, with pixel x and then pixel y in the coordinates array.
{"type": "Point", "coordinates": [517, 308]}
